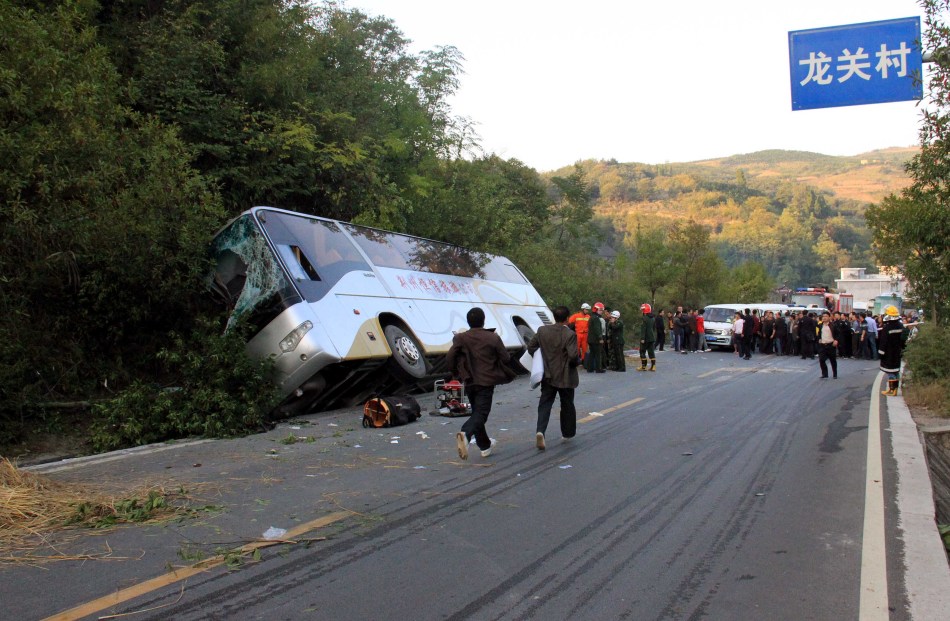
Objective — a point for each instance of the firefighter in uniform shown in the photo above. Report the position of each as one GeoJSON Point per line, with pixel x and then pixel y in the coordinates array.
{"type": "Point", "coordinates": [579, 322]}
{"type": "Point", "coordinates": [892, 337]}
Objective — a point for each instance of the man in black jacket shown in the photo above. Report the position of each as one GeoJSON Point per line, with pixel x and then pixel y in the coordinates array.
{"type": "Point", "coordinates": [682, 321]}
{"type": "Point", "coordinates": [748, 329]}
{"type": "Point", "coordinates": [558, 345]}
{"type": "Point", "coordinates": [808, 333]}
{"type": "Point", "coordinates": [479, 358]}
{"type": "Point", "coordinates": [660, 324]}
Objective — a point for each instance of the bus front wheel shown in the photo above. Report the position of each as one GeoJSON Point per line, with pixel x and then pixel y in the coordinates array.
{"type": "Point", "coordinates": [407, 354]}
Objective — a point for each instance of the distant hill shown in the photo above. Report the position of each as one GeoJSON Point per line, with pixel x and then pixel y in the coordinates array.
{"type": "Point", "coordinates": [867, 177]}
{"type": "Point", "coordinates": [799, 214]}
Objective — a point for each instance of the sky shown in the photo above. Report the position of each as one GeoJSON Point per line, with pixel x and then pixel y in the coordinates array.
{"type": "Point", "coordinates": [552, 82]}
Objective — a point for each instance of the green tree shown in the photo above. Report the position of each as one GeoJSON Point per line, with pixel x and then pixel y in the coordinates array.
{"type": "Point", "coordinates": [910, 230]}
{"type": "Point", "coordinates": [653, 263]}
{"type": "Point", "coordinates": [487, 204]}
{"type": "Point", "coordinates": [573, 207]}
{"type": "Point", "coordinates": [104, 222]}
{"type": "Point", "coordinates": [748, 282]}
{"type": "Point", "coordinates": [696, 270]}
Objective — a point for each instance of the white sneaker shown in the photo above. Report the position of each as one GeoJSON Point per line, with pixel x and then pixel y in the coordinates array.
{"type": "Point", "coordinates": [462, 443]}
{"type": "Point", "coordinates": [539, 441]}
{"type": "Point", "coordinates": [487, 451]}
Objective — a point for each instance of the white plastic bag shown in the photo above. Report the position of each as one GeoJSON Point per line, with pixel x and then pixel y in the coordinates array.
{"type": "Point", "coordinates": [537, 369]}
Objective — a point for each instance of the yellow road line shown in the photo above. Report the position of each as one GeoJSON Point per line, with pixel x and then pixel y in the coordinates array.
{"type": "Point", "coordinates": [124, 595]}
{"type": "Point", "coordinates": [612, 408]}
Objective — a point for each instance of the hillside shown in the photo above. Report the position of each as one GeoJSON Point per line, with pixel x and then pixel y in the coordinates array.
{"type": "Point", "coordinates": [866, 177]}
{"type": "Point", "coordinates": [798, 214]}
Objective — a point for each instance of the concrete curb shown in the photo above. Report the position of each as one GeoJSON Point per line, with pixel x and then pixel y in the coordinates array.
{"type": "Point", "coordinates": [927, 571]}
{"type": "Point", "coordinates": [76, 462]}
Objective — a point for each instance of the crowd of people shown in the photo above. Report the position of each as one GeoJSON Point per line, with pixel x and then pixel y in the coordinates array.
{"type": "Point", "coordinates": [594, 338]}
{"type": "Point", "coordinates": [796, 333]}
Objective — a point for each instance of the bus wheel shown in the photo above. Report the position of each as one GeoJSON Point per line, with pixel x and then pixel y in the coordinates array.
{"type": "Point", "coordinates": [407, 355]}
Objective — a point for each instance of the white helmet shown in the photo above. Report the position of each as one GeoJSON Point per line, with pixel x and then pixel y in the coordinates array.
{"type": "Point", "coordinates": [615, 314]}
{"type": "Point", "coordinates": [585, 306]}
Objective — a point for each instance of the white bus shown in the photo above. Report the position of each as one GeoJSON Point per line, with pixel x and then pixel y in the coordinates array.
{"type": "Point", "coordinates": [718, 318]}
{"type": "Point", "coordinates": [347, 311]}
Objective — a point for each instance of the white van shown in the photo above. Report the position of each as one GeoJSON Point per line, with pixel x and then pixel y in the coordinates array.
{"type": "Point", "coordinates": [718, 318]}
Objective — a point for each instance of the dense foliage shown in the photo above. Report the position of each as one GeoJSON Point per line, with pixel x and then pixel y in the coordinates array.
{"type": "Point", "coordinates": [911, 228]}
{"type": "Point", "coordinates": [131, 130]}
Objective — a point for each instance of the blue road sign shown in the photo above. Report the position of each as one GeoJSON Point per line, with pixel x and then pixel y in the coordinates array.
{"type": "Point", "coordinates": [874, 62]}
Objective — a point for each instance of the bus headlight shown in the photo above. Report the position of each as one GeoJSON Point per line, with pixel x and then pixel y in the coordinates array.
{"type": "Point", "coordinates": [290, 342]}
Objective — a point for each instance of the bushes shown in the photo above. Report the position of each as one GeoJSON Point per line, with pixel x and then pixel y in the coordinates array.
{"type": "Point", "coordinates": [216, 390]}
{"type": "Point", "coordinates": [928, 366]}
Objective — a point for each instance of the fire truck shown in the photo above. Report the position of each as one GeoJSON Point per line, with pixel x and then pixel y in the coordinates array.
{"type": "Point", "coordinates": [822, 299]}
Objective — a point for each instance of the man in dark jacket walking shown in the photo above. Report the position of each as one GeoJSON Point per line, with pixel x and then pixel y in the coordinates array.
{"type": "Point", "coordinates": [558, 344]}
{"type": "Point", "coordinates": [660, 323]}
{"type": "Point", "coordinates": [478, 357]}
{"type": "Point", "coordinates": [647, 338]}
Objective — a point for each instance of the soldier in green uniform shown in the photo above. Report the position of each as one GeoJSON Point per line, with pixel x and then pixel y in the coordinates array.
{"type": "Point", "coordinates": [615, 338]}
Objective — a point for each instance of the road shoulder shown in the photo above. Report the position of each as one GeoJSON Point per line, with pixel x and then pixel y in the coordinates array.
{"type": "Point", "coordinates": [927, 571]}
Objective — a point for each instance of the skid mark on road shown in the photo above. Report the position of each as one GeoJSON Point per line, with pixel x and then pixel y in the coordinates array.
{"type": "Point", "coordinates": [143, 588]}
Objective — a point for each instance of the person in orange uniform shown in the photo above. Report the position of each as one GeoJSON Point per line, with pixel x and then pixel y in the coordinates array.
{"type": "Point", "coordinates": [579, 322]}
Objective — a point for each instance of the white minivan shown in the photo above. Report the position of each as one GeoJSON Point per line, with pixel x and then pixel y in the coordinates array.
{"type": "Point", "coordinates": [718, 318]}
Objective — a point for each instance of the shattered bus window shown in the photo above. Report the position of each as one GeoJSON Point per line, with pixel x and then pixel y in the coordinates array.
{"type": "Point", "coordinates": [247, 278]}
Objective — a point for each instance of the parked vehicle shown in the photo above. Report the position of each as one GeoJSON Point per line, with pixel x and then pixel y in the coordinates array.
{"type": "Point", "coordinates": [347, 311]}
{"type": "Point", "coordinates": [718, 318]}
{"type": "Point", "coordinates": [821, 299]}
{"type": "Point", "coordinates": [877, 305]}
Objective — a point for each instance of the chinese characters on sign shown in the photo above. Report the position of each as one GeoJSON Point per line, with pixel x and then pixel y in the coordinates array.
{"type": "Point", "coordinates": [875, 62]}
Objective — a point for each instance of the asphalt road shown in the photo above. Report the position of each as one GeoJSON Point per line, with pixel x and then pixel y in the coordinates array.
{"type": "Point", "coordinates": [715, 488]}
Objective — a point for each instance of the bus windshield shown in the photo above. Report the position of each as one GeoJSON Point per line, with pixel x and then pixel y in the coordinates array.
{"type": "Point", "coordinates": [317, 253]}
{"type": "Point", "coordinates": [247, 279]}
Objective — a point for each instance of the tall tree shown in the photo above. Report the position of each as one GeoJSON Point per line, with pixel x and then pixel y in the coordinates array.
{"type": "Point", "coordinates": [573, 206]}
{"type": "Point", "coordinates": [653, 263]}
{"type": "Point", "coordinates": [696, 266]}
{"type": "Point", "coordinates": [911, 229]}
{"type": "Point", "coordinates": [104, 221]}
{"type": "Point", "coordinates": [746, 283]}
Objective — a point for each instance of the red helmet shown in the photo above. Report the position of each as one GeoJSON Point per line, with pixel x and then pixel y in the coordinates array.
{"type": "Point", "coordinates": [646, 308]}
{"type": "Point", "coordinates": [598, 306]}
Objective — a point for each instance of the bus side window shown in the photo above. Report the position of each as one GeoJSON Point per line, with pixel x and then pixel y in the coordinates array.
{"type": "Point", "coordinates": [297, 262]}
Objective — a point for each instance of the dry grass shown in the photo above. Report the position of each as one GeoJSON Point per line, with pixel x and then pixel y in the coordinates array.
{"type": "Point", "coordinates": [32, 506]}
{"type": "Point", "coordinates": [931, 397]}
